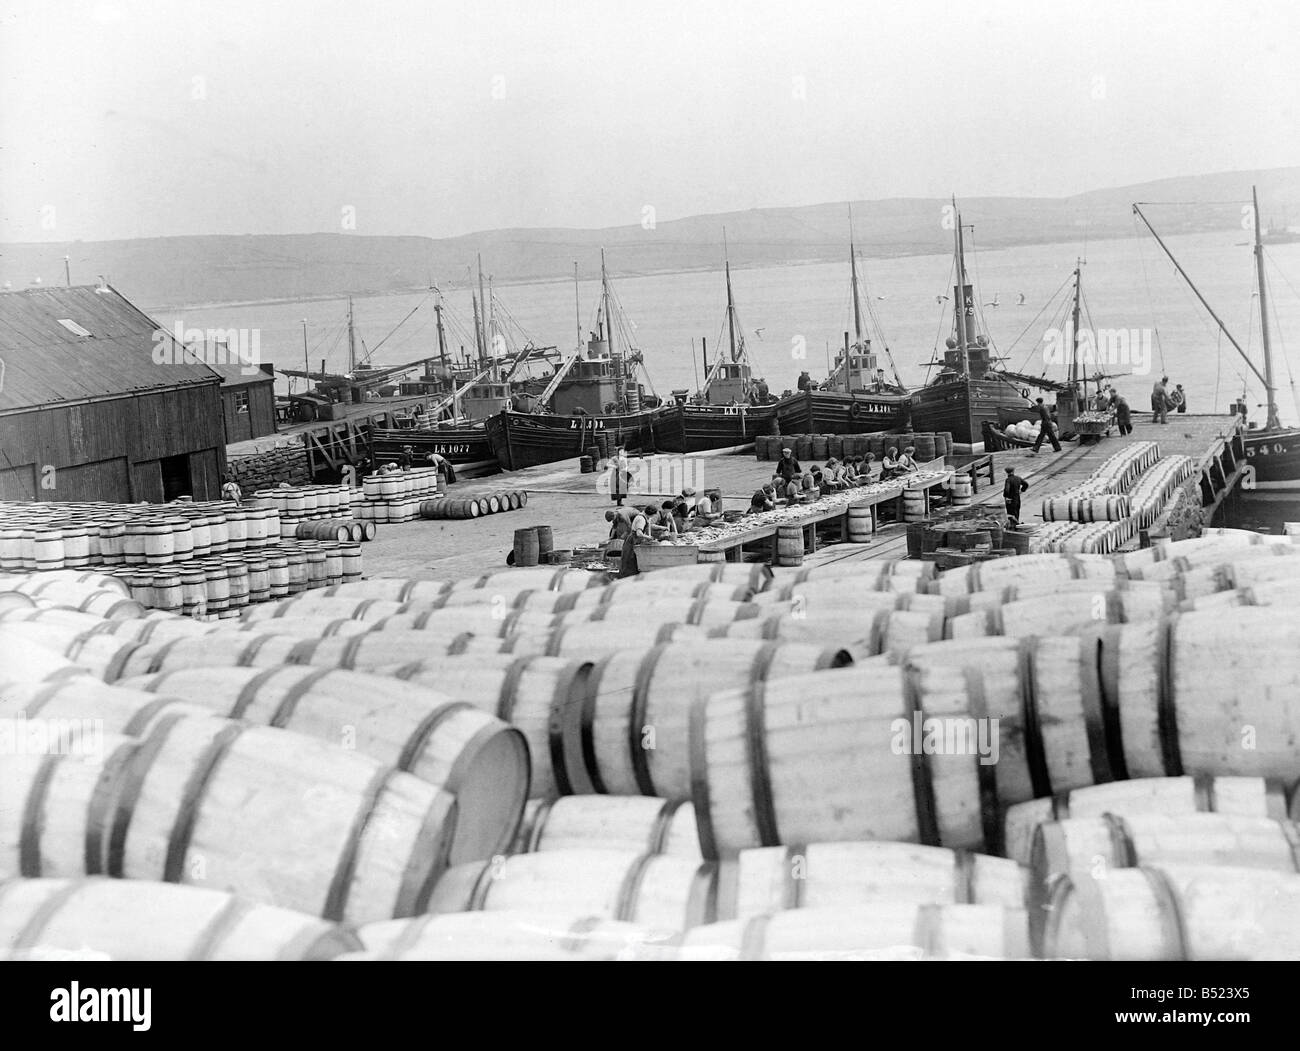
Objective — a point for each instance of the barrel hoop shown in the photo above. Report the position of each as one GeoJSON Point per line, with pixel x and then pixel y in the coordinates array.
{"type": "Point", "coordinates": [1167, 712]}
{"type": "Point", "coordinates": [964, 862]}
{"type": "Point", "coordinates": [351, 648]}
{"type": "Point", "coordinates": [1203, 792]}
{"type": "Point", "coordinates": [217, 928]}
{"type": "Point", "coordinates": [409, 937]}
{"type": "Point", "coordinates": [576, 937]}
{"type": "Point", "coordinates": [1275, 798]}
{"type": "Point", "coordinates": [97, 809]}
{"type": "Point", "coordinates": [248, 694]}
{"type": "Point", "coordinates": [636, 720]}
{"type": "Point", "coordinates": [341, 882]}
{"type": "Point", "coordinates": [414, 745]}
{"type": "Point", "coordinates": [985, 773]}
{"type": "Point", "coordinates": [1107, 667]}
{"type": "Point", "coordinates": [144, 716]}
{"type": "Point", "coordinates": [538, 828]}
{"type": "Point", "coordinates": [113, 670]}
{"type": "Point", "coordinates": [928, 933]}
{"type": "Point", "coordinates": [590, 694]}
{"type": "Point", "coordinates": [407, 671]}
{"type": "Point", "coordinates": [1167, 902]}
{"type": "Point", "coordinates": [753, 938]}
{"type": "Point", "coordinates": [196, 785]}
{"type": "Point", "coordinates": [571, 682]}
{"type": "Point", "coordinates": [301, 653]}
{"type": "Point", "coordinates": [699, 757]}
{"type": "Point", "coordinates": [33, 826]}
{"type": "Point", "coordinates": [927, 818]}
{"type": "Point", "coordinates": [295, 693]}
{"type": "Point", "coordinates": [42, 697]}
{"type": "Point", "coordinates": [1094, 709]}
{"type": "Point", "coordinates": [135, 770]}
{"type": "Point", "coordinates": [659, 828]}
{"type": "Point", "coordinates": [1035, 753]}
{"type": "Point", "coordinates": [665, 633]}
{"type": "Point", "coordinates": [697, 611]}
{"type": "Point", "coordinates": [505, 706]}
{"type": "Point", "coordinates": [791, 888]}
{"type": "Point", "coordinates": [159, 659]}
{"type": "Point", "coordinates": [46, 911]}
{"type": "Point", "coordinates": [760, 785]}
{"type": "Point", "coordinates": [478, 894]}
{"type": "Point", "coordinates": [421, 619]}
{"type": "Point", "coordinates": [1292, 837]}
{"type": "Point", "coordinates": [460, 643]}
{"type": "Point", "coordinates": [313, 943]}
{"type": "Point", "coordinates": [434, 839]}
{"type": "Point", "coordinates": [702, 900]}
{"type": "Point", "coordinates": [630, 889]}
{"type": "Point", "coordinates": [1121, 841]}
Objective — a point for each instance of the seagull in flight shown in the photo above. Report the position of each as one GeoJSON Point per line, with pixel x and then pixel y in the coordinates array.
{"type": "Point", "coordinates": [940, 299]}
{"type": "Point", "coordinates": [1021, 301]}
{"type": "Point", "coordinates": [759, 332]}
{"type": "Point", "coordinates": [995, 301]}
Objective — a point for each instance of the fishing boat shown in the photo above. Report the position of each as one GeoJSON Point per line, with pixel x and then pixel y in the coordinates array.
{"type": "Point", "coordinates": [1272, 450]}
{"type": "Point", "coordinates": [856, 397]}
{"type": "Point", "coordinates": [968, 390]}
{"type": "Point", "coordinates": [592, 401]}
{"type": "Point", "coordinates": [731, 407]}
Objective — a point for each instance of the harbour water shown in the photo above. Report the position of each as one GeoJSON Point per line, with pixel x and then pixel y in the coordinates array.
{"type": "Point", "coordinates": [794, 316]}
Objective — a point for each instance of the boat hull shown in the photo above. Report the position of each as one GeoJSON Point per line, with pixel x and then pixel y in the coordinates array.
{"type": "Point", "coordinates": [963, 405]}
{"type": "Point", "coordinates": [834, 412]}
{"type": "Point", "coordinates": [466, 448]}
{"type": "Point", "coordinates": [701, 428]}
{"type": "Point", "coordinates": [1274, 461]}
{"type": "Point", "coordinates": [521, 439]}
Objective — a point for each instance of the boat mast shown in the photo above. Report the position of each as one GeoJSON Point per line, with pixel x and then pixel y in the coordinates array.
{"type": "Point", "coordinates": [352, 343]}
{"type": "Point", "coordinates": [442, 336]}
{"type": "Point", "coordinates": [609, 320]}
{"type": "Point", "coordinates": [1074, 322]}
{"type": "Point", "coordinates": [478, 329]}
{"type": "Point", "coordinates": [853, 269]}
{"type": "Point", "coordinates": [1271, 421]}
{"type": "Point", "coordinates": [961, 295]}
{"type": "Point", "coordinates": [1190, 284]}
{"type": "Point", "coordinates": [577, 304]}
{"type": "Point", "coordinates": [731, 303]}
{"type": "Point", "coordinates": [487, 350]}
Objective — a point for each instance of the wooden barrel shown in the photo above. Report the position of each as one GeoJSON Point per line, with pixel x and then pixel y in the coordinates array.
{"type": "Point", "coordinates": [914, 505]}
{"type": "Point", "coordinates": [962, 491]}
{"type": "Point", "coordinates": [674, 587]}
{"type": "Point", "coordinates": [632, 823]}
{"type": "Point", "coordinates": [635, 714]}
{"type": "Point", "coordinates": [48, 548]}
{"type": "Point", "coordinates": [447, 508]}
{"type": "Point", "coordinates": [834, 875]}
{"type": "Point", "coordinates": [332, 529]}
{"type": "Point", "coordinates": [471, 754]}
{"type": "Point", "coordinates": [834, 446]}
{"type": "Point", "coordinates": [302, 835]}
{"type": "Point", "coordinates": [658, 890]}
{"type": "Point", "coordinates": [755, 575]}
{"type": "Point", "coordinates": [1189, 686]}
{"type": "Point", "coordinates": [316, 568]}
{"type": "Point", "coordinates": [820, 447]}
{"type": "Point", "coordinates": [789, 546]}
{"type": "Point", "coordinates": [592, 639]}
{"type": "Point", "coordinates": [860, 520]}
{"type": "Point", "coordinates": [802, 445]}
{"type": "Point", "coordinates": [657, 611]}
{"type": "Point", "coordinates": [925, 450]}
{"type": "Point", "coordinates": [891, 930]}
{"type": "Point", "coordinates": [1063, 613]}
{"type": "Point", "coordinates": [877, 444]}
{"type": "Point", "coordinates": [76, 545]}
{"type": "Point", "coordinates": [186, 923]}
{"type": "Point", "coordinates": [220, 533]}
{"type": "Point", "coordinates": [1045, 703]}
{"type": "Point", "coordinates": [142, 587]}
{"type": "Point", "coordinates": [942, 444]}
{"type": "Point", "coordinates": [586, 464]}
{"type": "Point", "coordinates": [167, 593]}
{"type": "Point", "coordinates": [511, 935]}
{"type": "Point", "coordinates": [1174, 912]}
{"type": "Point", "coordinates": [545, 542]}
{"type": "Point", "coordinates": [526, 546]}
{"type": "Point", "coordinates": [1172, 796]}
{"type": "Point", "coordinates": [237, 574]}
{"type": "Point", "coordinates": [1025, 569]}
{"type": "Point", "coordinates": [1111, 842]}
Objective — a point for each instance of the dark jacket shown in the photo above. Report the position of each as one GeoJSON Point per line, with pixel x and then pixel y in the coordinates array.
{"type": "Point", "coordinates": [1122, 412]}
{"type": "Point", "coordinates": [1043, 415]}
{"type": "Point", "coordinates": [788, 467]}
{"type": "Point", "coordinates": [1013, 487]}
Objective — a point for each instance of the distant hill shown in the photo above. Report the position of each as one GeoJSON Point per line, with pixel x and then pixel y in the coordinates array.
{"type": "Point", "coordinates": [190, 270]}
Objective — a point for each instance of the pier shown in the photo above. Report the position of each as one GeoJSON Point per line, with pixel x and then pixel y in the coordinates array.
{"type": "Point", "coordinates": [571, 503]}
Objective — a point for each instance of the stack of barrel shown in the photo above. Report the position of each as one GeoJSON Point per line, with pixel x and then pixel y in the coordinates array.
{"type": "Point", "coordinates": [721, 761]}
{"type": "Point", "coordinates": [813, 448]}
{"type": "Point", "coordinates": [395, 496]}
{"type": "Point", "coordinates": [475, 506]}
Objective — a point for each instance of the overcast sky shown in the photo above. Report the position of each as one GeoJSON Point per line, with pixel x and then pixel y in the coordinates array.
{"type": "Point", "coordinates": [136, 118]}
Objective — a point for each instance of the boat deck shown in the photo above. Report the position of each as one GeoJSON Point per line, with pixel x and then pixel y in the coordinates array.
{"type": "Point", "coordinates": [572, 504]}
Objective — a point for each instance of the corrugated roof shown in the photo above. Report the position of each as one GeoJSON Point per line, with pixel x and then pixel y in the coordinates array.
{"type": "Point", "coordinates": [46, 362]}
{"type": "Point", "coordinates": [234, 375]}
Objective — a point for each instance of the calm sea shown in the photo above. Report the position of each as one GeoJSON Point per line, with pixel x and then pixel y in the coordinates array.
{"type": "Point", "coordinates": [792, 314]}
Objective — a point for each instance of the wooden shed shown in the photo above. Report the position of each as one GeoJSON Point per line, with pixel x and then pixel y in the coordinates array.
{"type": "Point", "coordinates": [97, 402]}
{"type": "Point", "coordinates": [247, 400]}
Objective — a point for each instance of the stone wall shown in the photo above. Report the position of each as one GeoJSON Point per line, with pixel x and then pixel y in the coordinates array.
{"type": "Point", "coordinates": [286, 463]}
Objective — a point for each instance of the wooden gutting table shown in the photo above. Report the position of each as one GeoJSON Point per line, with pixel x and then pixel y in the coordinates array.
{"type": "Point", "coordinates": [973, 465]}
